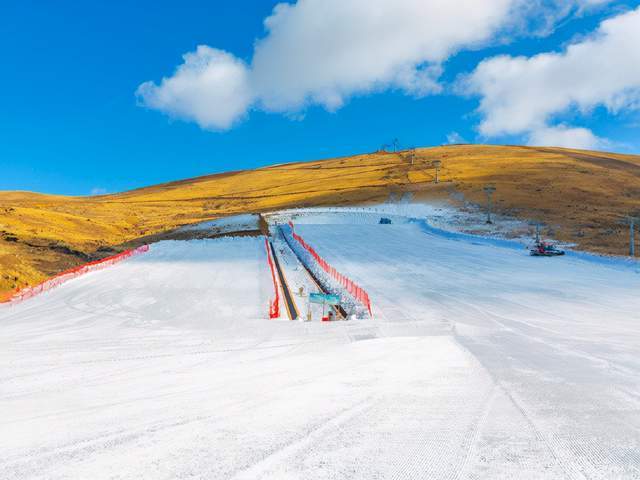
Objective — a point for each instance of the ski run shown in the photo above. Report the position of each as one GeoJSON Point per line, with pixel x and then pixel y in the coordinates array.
{"type": "Point", "coordinates": [478, 361]}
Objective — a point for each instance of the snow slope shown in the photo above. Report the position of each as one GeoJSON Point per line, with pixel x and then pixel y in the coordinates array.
{"type": "Point", "coordinates": [557, 339]}
{"type": "Point", "coordinates": [480, 362]}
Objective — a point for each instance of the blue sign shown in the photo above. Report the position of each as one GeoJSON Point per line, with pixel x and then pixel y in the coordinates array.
{"type": "Point", "coordinates": [324, 298]}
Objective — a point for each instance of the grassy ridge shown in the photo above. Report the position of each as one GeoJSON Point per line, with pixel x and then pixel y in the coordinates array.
{"type": "Point", "coordinates": [583, 194]}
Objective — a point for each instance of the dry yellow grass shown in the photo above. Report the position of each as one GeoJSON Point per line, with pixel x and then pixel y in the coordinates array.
{"type": "Point", "coordinates": [583, 194]}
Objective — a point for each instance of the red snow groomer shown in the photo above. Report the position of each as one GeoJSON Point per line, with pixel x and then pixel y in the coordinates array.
{"type": "Point", "coordinates": [544, 249]}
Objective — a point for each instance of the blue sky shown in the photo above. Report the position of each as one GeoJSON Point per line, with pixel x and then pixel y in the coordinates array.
{"type": "Point", "coordinates": [71, 121]}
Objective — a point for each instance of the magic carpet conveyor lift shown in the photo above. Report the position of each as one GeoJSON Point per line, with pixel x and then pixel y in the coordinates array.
{"type": "Point", "coordinates": [288, 298]}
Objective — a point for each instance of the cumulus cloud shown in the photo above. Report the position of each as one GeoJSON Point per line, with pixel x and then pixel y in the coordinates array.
{"type": "Point", "coordinates": [211, 87]}
{"type": "Point", "coordinates": [522, 95]}
{"type": "Point", "coordinates": [564, 136]}
{"type": "Point", "coordinates": [322, 52]}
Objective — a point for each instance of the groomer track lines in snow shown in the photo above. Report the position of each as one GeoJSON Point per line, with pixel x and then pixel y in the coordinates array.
{"type": "Point", "coordinates": [480, 362]}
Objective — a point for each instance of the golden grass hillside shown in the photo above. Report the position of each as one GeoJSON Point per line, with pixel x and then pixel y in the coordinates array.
{"type": "Point", "coordinates": [583, 195]}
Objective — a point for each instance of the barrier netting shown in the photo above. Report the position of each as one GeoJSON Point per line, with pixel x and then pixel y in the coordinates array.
{"type": "Point", "coordinates": [59, 279]}
{"type": "Point", "coordinates": [349, 285]}
{"type": "Point", "coordinates": [274, 305]}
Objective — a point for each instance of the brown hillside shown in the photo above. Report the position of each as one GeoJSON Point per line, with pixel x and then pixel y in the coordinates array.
{"type": "Point", "coordinates": [584, 195]}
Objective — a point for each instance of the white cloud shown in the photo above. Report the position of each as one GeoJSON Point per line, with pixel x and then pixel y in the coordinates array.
{"type": "Point", "coordinates": [564, 136]}
{"type": "Point", "coordinates": [455, 137]}
{"type": "Point", "coordinates": [540, 17]}
{"type": "Point", "coordinates": [211, 87]}
{"type": "Point", "coordinates": [521, 95]}
{"type": "Point", "coordinates": [322, 52]}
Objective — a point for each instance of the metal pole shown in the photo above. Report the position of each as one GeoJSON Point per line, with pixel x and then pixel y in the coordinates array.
{"type": "Point", "coordinates": [489, 189]}
{"type": "Point", "coordinates": [437, 164]}
{"type": "Point", "coordinates": [632, 243]}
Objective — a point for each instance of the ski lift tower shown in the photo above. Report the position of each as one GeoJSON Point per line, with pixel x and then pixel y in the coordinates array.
{"type": "Point", "coordinates": [437, 164]}
{"type": "Point", "coordinates": [489, 190]}
{"type": "Point", "coordinates": [537, 226]}
{"type": "Point", "coordinates": [411, 155]}
{"type": "Point", "coordinates": [632, 227]}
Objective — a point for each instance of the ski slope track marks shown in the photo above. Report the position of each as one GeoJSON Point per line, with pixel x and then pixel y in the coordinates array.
{"type": "Point", "coordinates": [479, 362]}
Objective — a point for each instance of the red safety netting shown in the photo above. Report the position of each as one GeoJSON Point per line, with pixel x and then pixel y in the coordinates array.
{"type": "Point", "coordinates": [28, 292]}
{"type": "Point", "coordinates": [274, 305]}
{"type": "Point", "coordinates": [353, 288]}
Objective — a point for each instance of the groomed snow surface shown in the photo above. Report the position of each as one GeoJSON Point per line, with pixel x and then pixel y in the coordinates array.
{"type": "Point", "coordinates": [480, 362]}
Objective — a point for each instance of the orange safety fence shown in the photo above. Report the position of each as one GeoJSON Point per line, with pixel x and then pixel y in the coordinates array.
{"type": "Point", "coordinates": [353, 288]}
{"type": "Point", "coordinates": [274, 305]}
{"type": "Point", "coordinates": [28, 292]}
